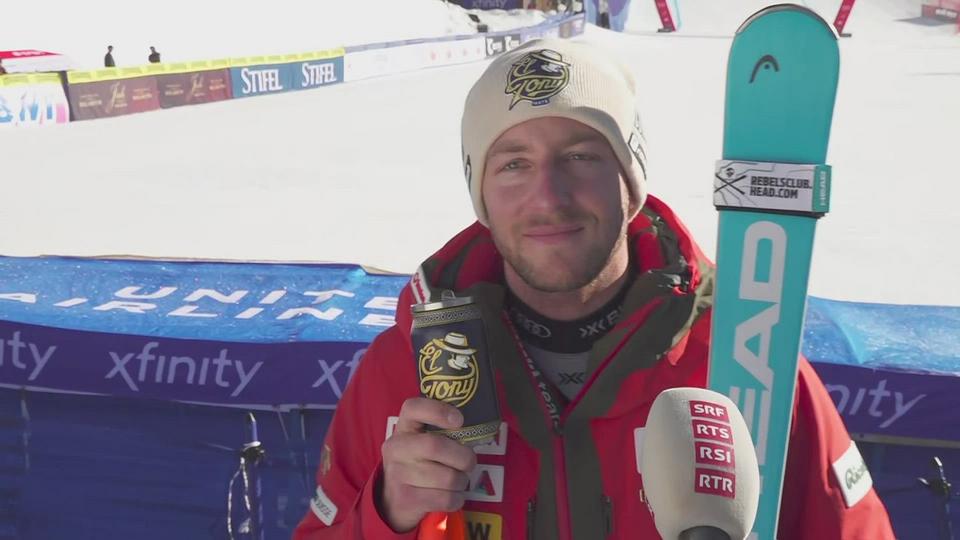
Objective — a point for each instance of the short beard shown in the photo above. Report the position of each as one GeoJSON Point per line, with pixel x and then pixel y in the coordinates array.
{"type": "Point", "coordinates": [596, 258]}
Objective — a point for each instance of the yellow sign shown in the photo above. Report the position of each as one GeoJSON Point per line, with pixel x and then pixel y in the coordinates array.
{"type": "Point", "coordinates": [286, 58]}
{"type": "Point", "coordinates": [483, 526]}
{"type": "Point", "coordinates": [112, 74]}
{"type": "Point", "coordinates": [106, 74]}
{"type": "Point", "coordinates": [20, 79]}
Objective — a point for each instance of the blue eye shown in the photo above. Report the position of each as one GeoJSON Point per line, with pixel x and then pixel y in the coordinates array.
{"type": "Point", "coordinates": [582, 156]}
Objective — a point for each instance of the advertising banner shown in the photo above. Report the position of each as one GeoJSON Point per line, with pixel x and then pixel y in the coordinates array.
{"type": "Point", "coordinates": [34, 61]}
{"type": "Point", "coordinates": [236, 334]}
{"type": "Point", "coordinates": [284, 335]}
{"type": "Point", "coordinates": [177, 89]}
{"type": "Point", "coordinates": [107, 98]}
{"type": "Point", "coordinates": [490, 4]}
{"type": "Point", "coordinates": [255, 80]}
{"type": "Point", "coordinates": [32, 100]}
{"type": "Point", "coordinates": [377, 60]}
{"type": "Point", "coordinates": [495, 45]}
{"type": "Point", "coordinates": [316, 73]}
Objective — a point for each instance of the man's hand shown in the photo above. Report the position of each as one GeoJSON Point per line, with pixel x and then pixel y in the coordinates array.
{"type": "Point", "coordinates": [423, 472]}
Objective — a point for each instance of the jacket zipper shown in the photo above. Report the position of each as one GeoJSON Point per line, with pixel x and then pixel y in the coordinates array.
{"type": "Point", "coordinates": [531, 516]}
{"type": "Point", "coordinates": [559, 466]}
{"type": "Point", "coordinates": [607, 516]}
{"type": "Point", "coordinates": [564, 529]}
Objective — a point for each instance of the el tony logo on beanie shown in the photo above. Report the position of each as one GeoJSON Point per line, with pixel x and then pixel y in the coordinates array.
{"type": "Point", "coordinates": [536, 77]}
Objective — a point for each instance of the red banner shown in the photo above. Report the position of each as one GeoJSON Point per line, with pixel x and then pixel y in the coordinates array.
{"type": "Point", "coordinates": [32, 61]}
{"type": "Point", "coordinates": [948, 10]}
{"type": "Point", "coordinates": [113, 98]}
{"type": "Point", "coordinates": [843, 14]}
{"type": "Point", "coordinates": [24, 53]}
{"type": "Point", "coordinates": [178, 89]}
{"type": "Point", "coordinates": [666, 19]}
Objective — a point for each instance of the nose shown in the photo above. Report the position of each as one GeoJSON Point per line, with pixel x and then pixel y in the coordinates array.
{"type": "Point", "coordinates": [551, 187]}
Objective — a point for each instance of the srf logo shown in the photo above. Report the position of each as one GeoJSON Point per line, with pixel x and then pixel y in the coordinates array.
{"type": "Point", "coordinates": [448, 369]}
{"type": "Point", "coordinates": [537, 77]}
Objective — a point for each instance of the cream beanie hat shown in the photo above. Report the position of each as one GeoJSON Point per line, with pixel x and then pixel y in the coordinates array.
{"type": "Point", "coordinates": [554, 77]}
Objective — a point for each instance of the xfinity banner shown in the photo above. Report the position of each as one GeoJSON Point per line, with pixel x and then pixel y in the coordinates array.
{"type": "Point", "coordinates": [291, 335]}
{"type": "Point", "coordinates": [244, 334]}
{"type": "Point", "coordinates": [890, 369]}
{"type": "Point", "coordinates": [262, 375]}
{"type": "Point", "coordinates": [894, 403]}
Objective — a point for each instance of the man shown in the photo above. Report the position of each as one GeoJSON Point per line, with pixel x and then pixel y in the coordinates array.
{"type": "Point", "coordinates": [595, 299]}
{"type": "Point", "coordinates": [154, 57]}
{"type": "Point", "coordinates": [108, 58]}
{"type": "Point", "coordinates": [3, 70]}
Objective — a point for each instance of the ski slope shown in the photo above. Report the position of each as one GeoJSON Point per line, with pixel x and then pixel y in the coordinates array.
{"type": "Point", "coordinates": [184, 30]}
{"type": "Point", "coordinates": [370, 172]}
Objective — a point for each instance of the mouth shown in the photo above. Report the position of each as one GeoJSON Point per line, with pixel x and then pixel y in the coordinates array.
{"type": "Point", "coordinates": [550, 234]}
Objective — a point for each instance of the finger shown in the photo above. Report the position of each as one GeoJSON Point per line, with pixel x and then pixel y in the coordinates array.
{"type": "Point", "coordinates": [433, 500]}
{"type": "Point", "coordinates": [433, 475]}
{"type": "Point", "coordinates": [419, 411]}
{"type": "Point", "coordinates": [410, 448]}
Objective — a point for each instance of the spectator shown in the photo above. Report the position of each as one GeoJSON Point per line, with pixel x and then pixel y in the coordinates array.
{"type": "Point", "coordinates": [108, 59]}
{"type": "Point", "coordinates": [3, 70]}
{"type": "Point", "coordinates": [603, 19]}
{"type": "Point", "coordinates": [154, 57]}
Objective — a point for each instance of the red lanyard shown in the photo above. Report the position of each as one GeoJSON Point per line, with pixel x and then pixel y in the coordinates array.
{"type": "Point", "coordinates": [549, 395]}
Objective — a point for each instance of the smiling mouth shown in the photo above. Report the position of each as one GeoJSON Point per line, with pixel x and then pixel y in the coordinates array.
{"type": "Point", "coordinates": [552, 233]}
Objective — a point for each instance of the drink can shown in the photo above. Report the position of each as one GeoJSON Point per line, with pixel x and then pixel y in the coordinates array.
{"type": "Point", "coordinates": [450, 349]}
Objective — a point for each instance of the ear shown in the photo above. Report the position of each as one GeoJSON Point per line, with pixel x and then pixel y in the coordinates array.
{"type": "Point", "coordinates": [633, 204]}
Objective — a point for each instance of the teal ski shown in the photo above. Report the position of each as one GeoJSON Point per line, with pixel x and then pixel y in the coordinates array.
{"type": "Point", "coordinates": [770, 187]}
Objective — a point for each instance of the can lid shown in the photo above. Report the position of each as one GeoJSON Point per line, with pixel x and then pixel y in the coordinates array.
{"type": "Point", "coordinates": [443, 304]}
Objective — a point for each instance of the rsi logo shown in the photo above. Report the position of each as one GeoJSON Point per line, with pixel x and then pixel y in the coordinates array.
{"type": "Point", "coordinates": [759, 327]}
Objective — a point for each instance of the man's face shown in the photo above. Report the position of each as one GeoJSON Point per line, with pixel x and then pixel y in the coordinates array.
{"type": "Point", "coordinates": [556, 202]}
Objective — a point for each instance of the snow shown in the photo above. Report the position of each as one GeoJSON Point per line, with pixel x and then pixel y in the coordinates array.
{"type": "Point", "coordinates": [370, 172]}
{"type": "Point", "coordinates": [184, 30]}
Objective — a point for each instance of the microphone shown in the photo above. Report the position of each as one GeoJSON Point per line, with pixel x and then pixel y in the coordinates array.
{"type": "Point", "coordinates": [699, 467]}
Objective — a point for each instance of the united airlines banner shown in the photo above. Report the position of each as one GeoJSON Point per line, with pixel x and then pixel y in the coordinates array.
{"type": "Point", "coordinates": [890, 369]}
{"type": "Point", "coordinates": [291, 335]}
{"type": "Point", "coordinates": [242, 334]}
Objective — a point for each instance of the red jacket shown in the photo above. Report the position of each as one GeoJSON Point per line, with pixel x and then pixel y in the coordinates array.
{"type": "Point", "coordinates": [581, 482]}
